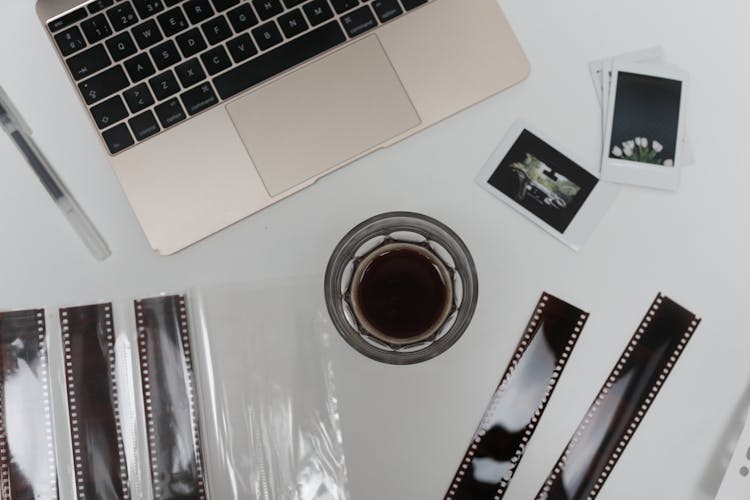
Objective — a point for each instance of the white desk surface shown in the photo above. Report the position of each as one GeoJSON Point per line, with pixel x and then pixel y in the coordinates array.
{"type": "Point", "coordinates": [406, 428]}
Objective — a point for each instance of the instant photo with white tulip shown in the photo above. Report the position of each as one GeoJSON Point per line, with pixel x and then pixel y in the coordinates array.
{"type": "Point", "coordinates": [644, 132]}
{"type": "Point", "coordinates": [602, 79]}
{"type": "Point", "coordinates": [540, 181]}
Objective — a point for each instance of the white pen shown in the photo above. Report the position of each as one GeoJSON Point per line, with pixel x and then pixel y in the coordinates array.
{"type": "Point", "coordinates": [17, 129]}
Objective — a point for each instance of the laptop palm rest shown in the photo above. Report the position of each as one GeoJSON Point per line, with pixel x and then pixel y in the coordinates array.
{"type": "Point", "coordinates": [323, 115]}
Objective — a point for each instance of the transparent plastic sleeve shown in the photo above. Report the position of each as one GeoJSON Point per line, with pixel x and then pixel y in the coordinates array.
{"type": "Point", "coordinates": [219, 393]}
{"type": "Point", "coordinates": [270, 418]}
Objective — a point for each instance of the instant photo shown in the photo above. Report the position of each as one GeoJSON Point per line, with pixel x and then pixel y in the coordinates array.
{"type": "Point", "coordinates": [544, 184]}
{"type": "Point", "coordinates": [644, 126]}
{"type": "Point", "coordinates": [654, 56]}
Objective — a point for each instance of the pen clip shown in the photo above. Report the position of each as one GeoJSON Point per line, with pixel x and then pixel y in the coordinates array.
{"type": "Point", "coordinates": [10, 118]}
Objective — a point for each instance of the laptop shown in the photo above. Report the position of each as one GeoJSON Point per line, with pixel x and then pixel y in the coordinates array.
{"type": "Point", "coordinates": [211, 110]}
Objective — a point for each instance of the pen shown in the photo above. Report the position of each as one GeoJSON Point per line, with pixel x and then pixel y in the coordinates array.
{"type": "Point", "coordinates": [20, 133]}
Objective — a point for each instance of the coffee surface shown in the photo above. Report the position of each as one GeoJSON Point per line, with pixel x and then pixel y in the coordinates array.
{"type": "Point", "coordinates": [402, 293]}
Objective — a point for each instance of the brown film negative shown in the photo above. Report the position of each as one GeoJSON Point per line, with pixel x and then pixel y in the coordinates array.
{"type": "Point", "coordinates": [169, 398]}
{"type": "Point", "coordinates": [622, 403]}
{"type": "Point", "coordinates": [519, 401]}
{"type": "Point", "coordinates": [98, 453]}
{"type": "Point", "coordinates": [27, 462]}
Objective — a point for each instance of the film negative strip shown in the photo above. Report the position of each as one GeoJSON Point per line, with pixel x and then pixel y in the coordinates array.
{"type": "Point", "coordinates": [98, 453]}
{"type": "Point", "coordinates": [27, 460]}
{"type": "Point", "coordinates": [514, 411]}
{"type": "Point", "coordinates": [169, 398]}
{"type": "Point", "coordinates": [622, 403]}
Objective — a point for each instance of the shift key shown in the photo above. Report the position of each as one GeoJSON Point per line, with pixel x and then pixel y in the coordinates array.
{"type": "Point", "coordinates": [103, 85]}
{"type": "Point", "coordinates": [199, 98]}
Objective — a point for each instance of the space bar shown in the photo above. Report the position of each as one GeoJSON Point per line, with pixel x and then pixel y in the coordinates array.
{"type": "Point", "coordinates": [280, 59]}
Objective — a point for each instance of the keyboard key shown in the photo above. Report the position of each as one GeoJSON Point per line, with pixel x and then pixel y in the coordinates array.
{"type": "Point", "coordinates": [199, 98]}
{"type": "Point", "coordinates": [387, 9]}
{"type": "Point", "coordinates": [242, 18]}
{"type": "Point", "coordinates": [172, 3]}
{"type": "Point", "coordinates": [121, 46]}
{"type": "Point", "coordinates": [121, 16]}
{"type": "Point", "coordinates": [293, 23]}
{"type": "Point", "coordinates": [70, 41]}
{"type": "Point", "coordinates": [96, 29]}
{"type": "Point", "coordinates": [272, 63]}
{"type": "Point", "coordinates": [109, 112]}
{"type": "Point", "coordinates": [191, 42]}
{"type": "Point", "coordinates": [144, 125]}
{"type": "Point", "coordinates": [344, 5]}
{"type": "Point", "coordinates": [67, 20]}
{"type": "Point", "coordinates": [317, 11]}
{"type": "Point", "coordinates": [88, 62]}
{"type": "Point", "coordinates": [216, 60]}
{"type": "Point", "coordinates": [198, 10]}
{"type": "Point", "coordinates": [164, 85]}
{"type": "Point", "coordinates": [138, 98]}
{"type": "Point", "coordinates": [241, 47]}
{"type": "Point", "coordinates": [170, 113]}
{"type": "Point", "coordinates": [147, 8]}
{"type": "Point", "coordinates": [292, 3]}
{"type": "Point", "coordinates": [190, 72]}
{"type": "Point", "coordinates": [146, 34]}
{"type": "Point", "coordinates": [165, 54]}
{"type": "Point", "coordinates": [358, 21]}
{"type": "Point", "coordinates": [172, 21]}
{"type": "Point", "coordinates": [267, 35]}
{"type": "Point", "coordinates": [100, 5]}
{"type": "Point", "coordinates": [103, 85]}
{"type": "Point", "coordinates": [216, 30]}
{"type": "Point", "coordinates": [410, 4]}
{"type": "Point", "coordinates": [118, 138]}
{"type": "Point", "coordinates": [139, 67]}
{"type": "Point", "coordinates": [220, 5]}
{"type": "Point", "coordinates": [266, 9]}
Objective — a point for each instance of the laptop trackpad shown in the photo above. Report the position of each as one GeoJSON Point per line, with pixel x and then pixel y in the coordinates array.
{"type": "Point", "coordinates": [323, 115]}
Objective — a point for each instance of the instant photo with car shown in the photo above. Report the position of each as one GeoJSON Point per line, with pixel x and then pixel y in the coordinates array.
{"type": "Point", "coordinates": [547, 186]}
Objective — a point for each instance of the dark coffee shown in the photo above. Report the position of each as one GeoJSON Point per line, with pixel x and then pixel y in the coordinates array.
{"type": "Point", "coordinates": [402, 292]}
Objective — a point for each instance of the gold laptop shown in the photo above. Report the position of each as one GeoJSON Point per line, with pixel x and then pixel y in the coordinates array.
{"type": "Point", "coordinates": [212, 110]}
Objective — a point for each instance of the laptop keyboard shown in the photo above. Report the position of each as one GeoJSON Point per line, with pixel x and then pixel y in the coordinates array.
{"type": "Point", "coordinates": [143, 66]}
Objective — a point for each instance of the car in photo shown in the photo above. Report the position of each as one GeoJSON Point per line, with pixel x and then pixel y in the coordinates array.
{"type": "Point", "coordinates": [527, 187]}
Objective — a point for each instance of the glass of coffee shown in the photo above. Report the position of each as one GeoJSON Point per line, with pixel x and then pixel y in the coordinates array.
{"type": "Point", "coordinates": [401, 287]}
